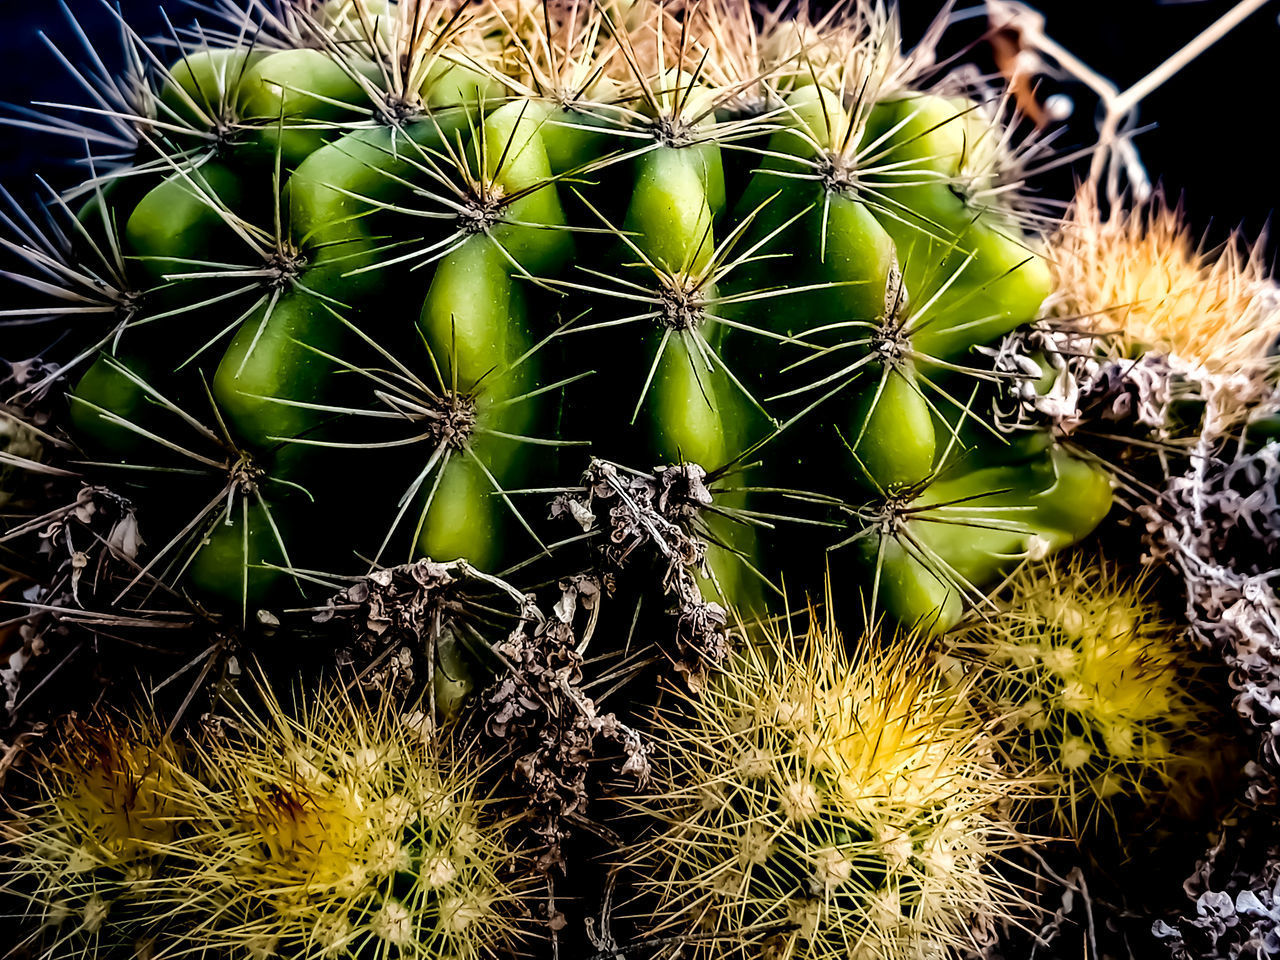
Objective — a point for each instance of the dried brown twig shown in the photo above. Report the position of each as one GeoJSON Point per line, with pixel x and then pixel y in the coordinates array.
{"type": "Point", "coordinates": [535, 708]}
{"type": "Point", "coordinates": [653, 515]}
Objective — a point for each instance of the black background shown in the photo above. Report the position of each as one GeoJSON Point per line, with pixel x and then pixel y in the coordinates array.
{"type": "Point", "coordinates": [1214, 144]}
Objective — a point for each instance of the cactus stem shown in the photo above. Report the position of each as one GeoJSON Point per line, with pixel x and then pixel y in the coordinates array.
{"type": "Point", "coordinates": [444, 417]}
{"type": "Point", "coordinates": [209, 452]}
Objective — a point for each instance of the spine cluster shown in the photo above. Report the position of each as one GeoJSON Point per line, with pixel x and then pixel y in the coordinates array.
{"type": "Point", "coordinates": [818, 803]}
{"type": "Point", "coordinates": [337, 829]}
{"type": "Point", "coordinates": [1101, 693]}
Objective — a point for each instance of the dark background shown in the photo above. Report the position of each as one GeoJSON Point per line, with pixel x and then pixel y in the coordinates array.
{"type": "Point", "coordinates": [1213, 145]}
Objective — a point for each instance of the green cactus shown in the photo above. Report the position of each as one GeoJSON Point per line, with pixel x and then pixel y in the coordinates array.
{"type": "Point", "coordinates": [408, 260]}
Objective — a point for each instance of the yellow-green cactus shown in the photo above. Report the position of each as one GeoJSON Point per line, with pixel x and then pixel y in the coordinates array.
{"type": "Point", "coordinates": [83, 857]}
{"type": "Point", "coordinates": [339, 829]}
{"type": "Point", "coordinates": [1100, 692]}
{"type": "Point", "coordinates": [819, 804]}
{"type": "Point", "coordinates": [343, 828]}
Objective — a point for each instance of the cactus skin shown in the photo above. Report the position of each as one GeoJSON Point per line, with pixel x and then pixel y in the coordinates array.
{"type": "Point", "coordinates": [821, 804]}
{"type": "Point", "coordinates": [1104, 697]}
{"type": "Point", "coordinates": [959, 531]}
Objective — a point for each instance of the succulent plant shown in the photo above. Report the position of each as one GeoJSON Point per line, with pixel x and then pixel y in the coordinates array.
{"type": "Point", "coordinates": [335, 829]}
{"type": "Point", "coordinates": [1102, 694]}
{"type": "Point", "coordinates": [419, 357]}
{"type": "Point", "coordinates": [819, 803]}
{"type": "Point", "coordinates": [411, 254]}
{"type": "Point", "coordinates": [343, 828]}
{"type": "Point", "coordinates": [1136, 282]}
{"type": "Point", "coordinates": [81, 859]}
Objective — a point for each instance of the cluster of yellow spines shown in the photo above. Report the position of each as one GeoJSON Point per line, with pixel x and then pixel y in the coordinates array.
{"type": "Point", "coordinates": [347, 828]}
{"type": "Point", "coordinates": [821, 804]}
{"type": "Point", "coordinates": [343, 830]}
{"type": "Point", "coordinates": [1137, 280]}
{"type": "Point", "coordinates": [1101, 692]}
{"type": "Point", "coordinates": [84, 857]}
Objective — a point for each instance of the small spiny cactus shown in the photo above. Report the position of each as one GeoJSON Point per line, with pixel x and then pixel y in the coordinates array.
{"type": "Point", "coordinates": [1102, 693]}
{"type": "Point", "coordinates": [821, 804]}
{"type": "Point", "coordinates": [339, 829]}
{"type": "Point", "coordinates": [1138, 275]}
{"type": "Point", "coordinates": [1132, 285]}
{"type": "Point", "coordinates": [83, 857]}
{"type": "Point", "coordinates": [346, 828]}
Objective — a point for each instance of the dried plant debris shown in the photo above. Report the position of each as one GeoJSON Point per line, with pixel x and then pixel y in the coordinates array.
{"type": "Point", "coordinates": [1218, 525]}
{"type": "Point", "coordinates": [1234, 894]}
{"type": "Point", "coordinates": [30, 381]}
{"type": "Point", "coordinates": [557, 733]}
{"type": "Point", "coordinates": [1057, 378]}
{"type": "Point", "coordinates": [405, 624]}
{"type": "Point", "coordinates": [652, 518]}
{"type": "Point", "coordinates": [398, 618]}
{"type": "Point", "coordinates": [81, 552]}
{"type": "Point", "coordinates": [641, 512]}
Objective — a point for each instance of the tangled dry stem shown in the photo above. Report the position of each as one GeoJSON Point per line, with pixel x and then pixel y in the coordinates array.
{"type": "Point", "coordinates": [557, 733]}
{"type": "Point", "coordinates": [86, 545]}
{"type": "Point", "coordinates": [535, 710]}
{"type": "Point", "coordinates": [650, 516]}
